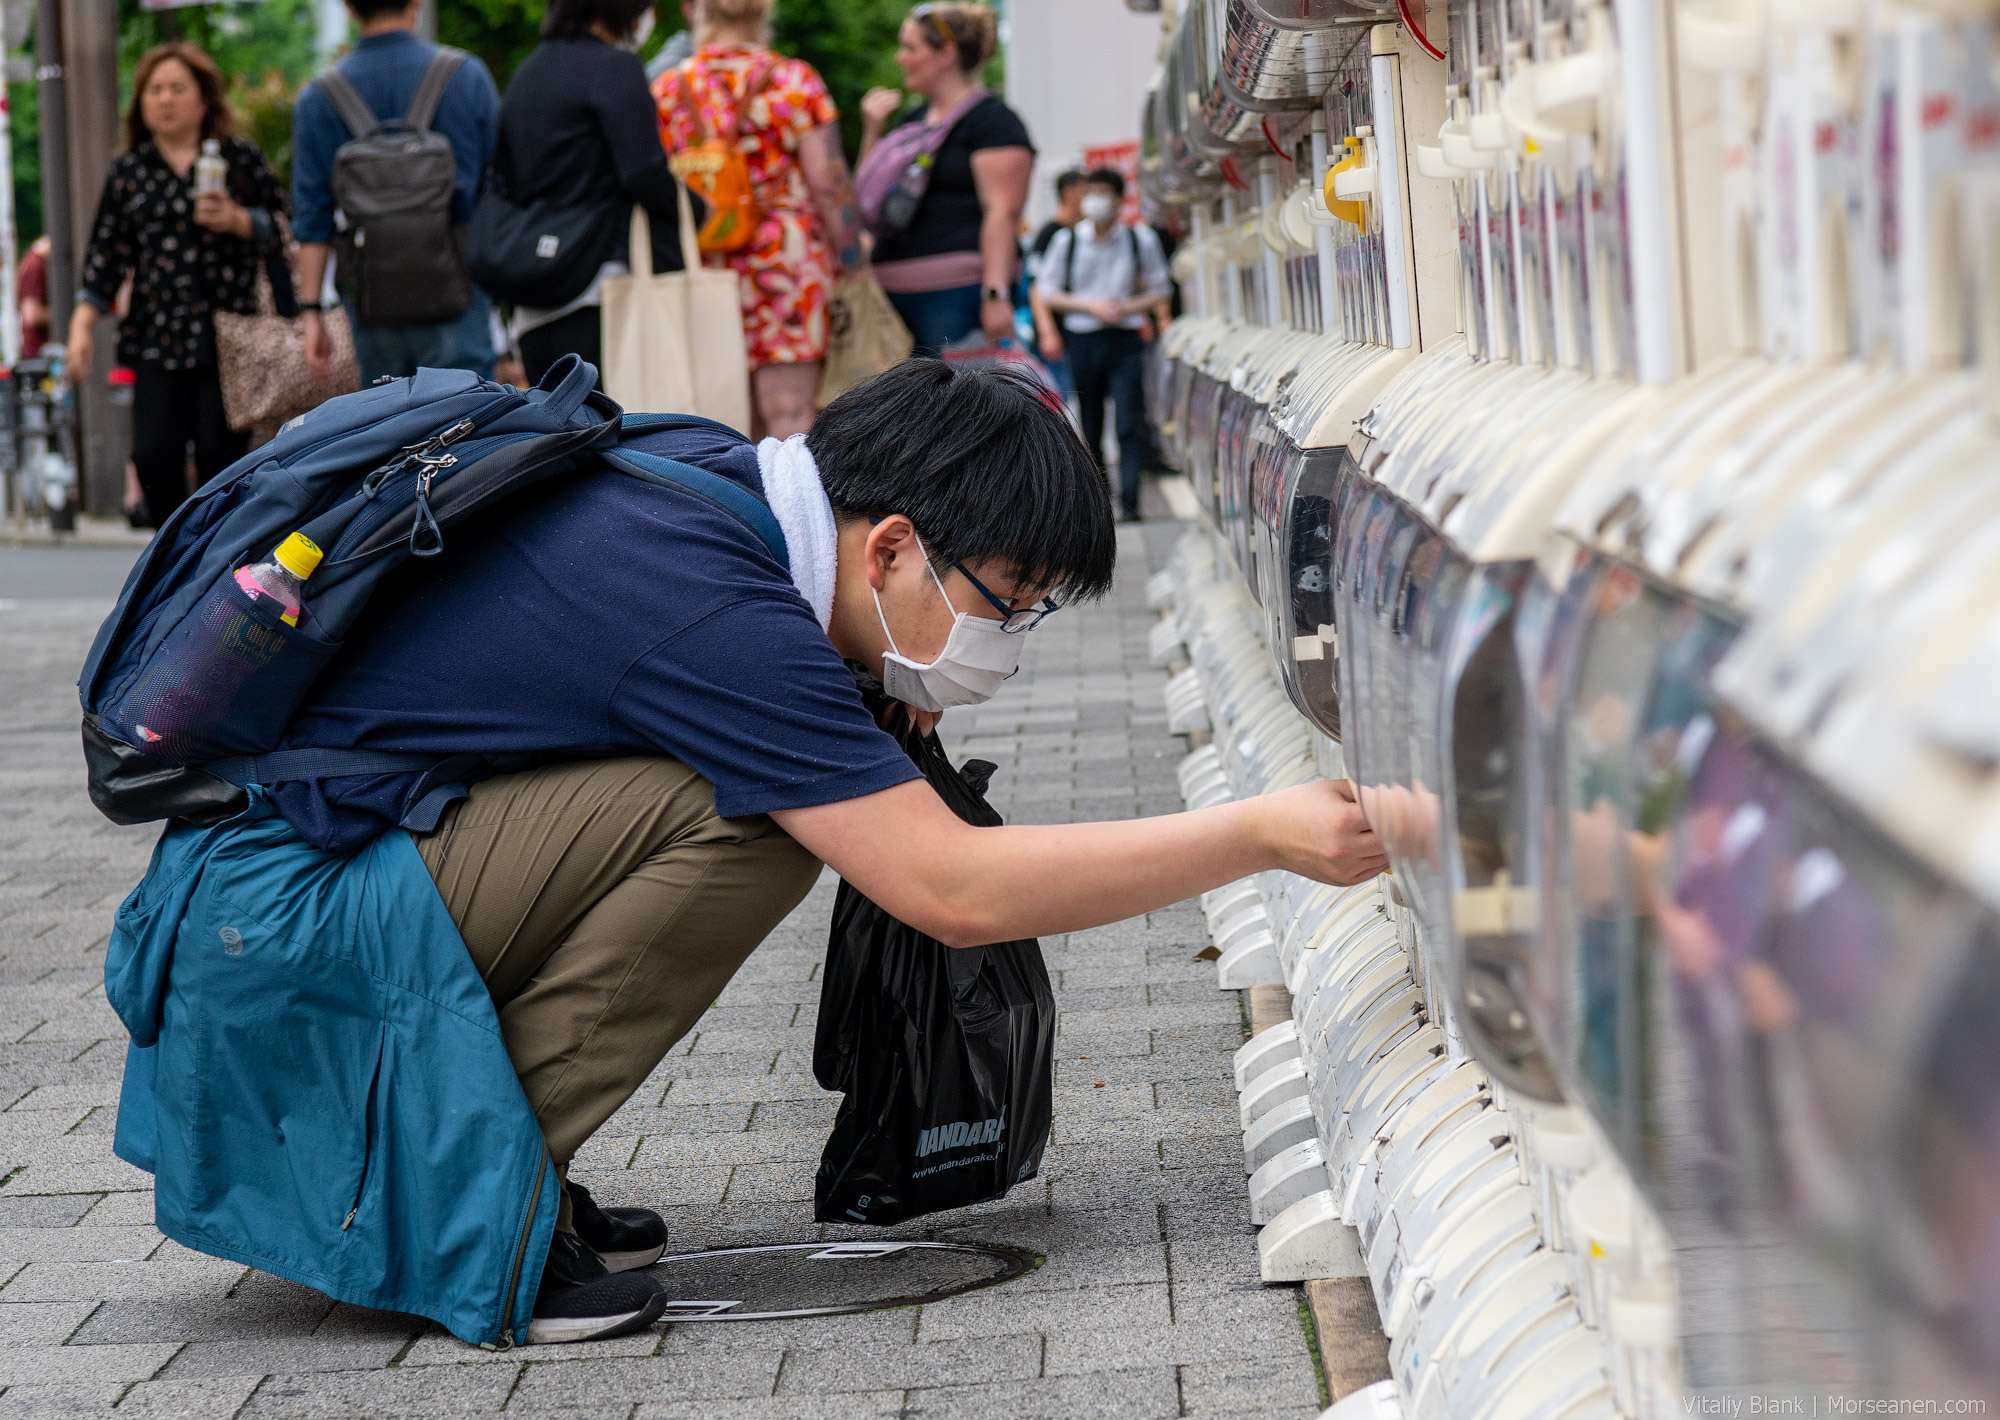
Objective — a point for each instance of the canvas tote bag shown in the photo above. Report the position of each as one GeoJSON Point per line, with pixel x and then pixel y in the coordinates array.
{"type": "Point", "coordinates": [865, 335]}
{"type": "Point", "coordinates": [673, 342]}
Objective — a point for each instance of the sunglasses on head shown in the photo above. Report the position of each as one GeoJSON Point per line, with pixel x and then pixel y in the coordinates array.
{"type": "Point", "coordinates": [945, 38]}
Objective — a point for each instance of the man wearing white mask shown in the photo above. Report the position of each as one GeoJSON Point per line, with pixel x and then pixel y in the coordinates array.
{"type": "Point", "coordinates": [1102, 277]}
{"type": "Point", "coordinates": [659, 733]}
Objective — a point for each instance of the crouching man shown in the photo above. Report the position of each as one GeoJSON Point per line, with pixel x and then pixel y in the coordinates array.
{"type": "Point", "coordinates": [375, 1014]}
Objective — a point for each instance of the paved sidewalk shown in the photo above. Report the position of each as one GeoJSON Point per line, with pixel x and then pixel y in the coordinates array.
{"type": "Point", "coordinates": [1148, 1304]}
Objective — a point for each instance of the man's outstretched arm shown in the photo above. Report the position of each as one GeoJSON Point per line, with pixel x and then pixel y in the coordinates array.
{"type": "Point", "coordinates": [967, 886]}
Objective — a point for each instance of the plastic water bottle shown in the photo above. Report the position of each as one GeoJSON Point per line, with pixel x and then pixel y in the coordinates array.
{"type": "Point", "coordinates": [211, 169]}
{"type": "Point", "coordinates": [283, 576]}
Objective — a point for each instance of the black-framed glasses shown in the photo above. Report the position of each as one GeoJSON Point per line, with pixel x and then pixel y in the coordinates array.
{"type": "Point", "coordinates": [1011, 621]}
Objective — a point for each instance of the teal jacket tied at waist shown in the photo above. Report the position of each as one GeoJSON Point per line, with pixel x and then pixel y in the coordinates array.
{"type": "Point", "coordinates": [316, 1078]}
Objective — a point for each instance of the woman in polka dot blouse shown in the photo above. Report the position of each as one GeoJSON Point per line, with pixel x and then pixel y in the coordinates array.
{"type": "Point", "coordinates": [187, 255]}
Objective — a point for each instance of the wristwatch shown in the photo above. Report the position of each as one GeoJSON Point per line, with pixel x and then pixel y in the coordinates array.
{"type": "Point", "coordinates": [993, 293]}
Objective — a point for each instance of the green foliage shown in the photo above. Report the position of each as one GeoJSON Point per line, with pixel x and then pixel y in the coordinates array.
{"type": "Point", "coordinates": [851, 42]}
{"type": "Point", "coordinates": [500, 32]}
{"type": "Point", "coordinates": [264, 116]}
{"type": "Point", "coordinates": [244, 39]}
{"type": "Point", "coordinates": [25, 137]}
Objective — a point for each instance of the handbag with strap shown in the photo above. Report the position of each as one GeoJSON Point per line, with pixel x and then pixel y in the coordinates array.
{"type": "Point", "coordinates": [891, 182]}
{"type": "Point", "coordinates": [261, 358]}
{"type": "Point", "coordinates": [673, 342]}
{"type": "Point", "coordinates": [542, 253]}
{"type": "Point", "coordinates": [714, 168]}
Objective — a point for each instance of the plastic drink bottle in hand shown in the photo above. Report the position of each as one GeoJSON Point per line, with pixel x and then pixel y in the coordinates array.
{"type": "Point", "coordinates": [283, 576]}
{"type": "Point", "coordinates": [211, 169]}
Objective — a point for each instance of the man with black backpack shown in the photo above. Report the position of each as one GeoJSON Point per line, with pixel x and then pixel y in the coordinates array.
{"type": "Point", "coordinates": [1101, 278]}
{"type": "Point", "coordinates": [388, 148]}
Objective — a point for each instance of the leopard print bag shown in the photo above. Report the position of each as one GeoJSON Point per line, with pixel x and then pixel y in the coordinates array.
{"type": "Point", "coordinates": [262, 360]}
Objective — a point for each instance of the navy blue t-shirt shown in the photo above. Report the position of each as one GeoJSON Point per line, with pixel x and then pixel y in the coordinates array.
{"type": "Point", "coordinates": [596, 617]}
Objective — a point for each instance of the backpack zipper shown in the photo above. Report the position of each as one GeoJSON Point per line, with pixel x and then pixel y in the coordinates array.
{"type": "Point", "coordinates": [521, 1256]}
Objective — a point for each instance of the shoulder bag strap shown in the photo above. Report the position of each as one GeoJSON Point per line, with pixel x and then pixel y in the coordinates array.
{"type": "Point", "coordinates": [1069, 258]}
{"type": "Point", "coordinates": [430, 89]}
{"type": "Point", "coordinates": [1132, 239]}
{"type": "Point", "coordinates": [348, 103]}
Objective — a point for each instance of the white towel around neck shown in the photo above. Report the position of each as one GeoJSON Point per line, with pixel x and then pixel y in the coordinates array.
{"type": "Point", "coordinates": [798, 500]}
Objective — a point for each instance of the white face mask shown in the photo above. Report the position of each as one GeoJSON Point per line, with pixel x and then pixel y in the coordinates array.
{"type": "Point", "coordinates": [1099, 206]}
{"type": "Point", "coordinates": [641, 32]}
{"type": "Point", "coordinates": [976, 658]}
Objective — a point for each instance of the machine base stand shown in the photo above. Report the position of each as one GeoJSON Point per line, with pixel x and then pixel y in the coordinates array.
{"type": "Point", "coordinates": [1298, 1172]}
{"type": "Point", "coordinates": [1307, 1241]}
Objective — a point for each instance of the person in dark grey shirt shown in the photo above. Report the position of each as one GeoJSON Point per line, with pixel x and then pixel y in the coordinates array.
{"type": "Point", "coordinates": [385, 66]}
{"type": "Point", "coordinates": [578, 127]}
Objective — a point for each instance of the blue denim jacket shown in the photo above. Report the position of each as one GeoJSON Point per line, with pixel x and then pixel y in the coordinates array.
{"type": "Point", "coordinates": [384, 69]}
{"type": "Point", "coordinates": [317, 1081]}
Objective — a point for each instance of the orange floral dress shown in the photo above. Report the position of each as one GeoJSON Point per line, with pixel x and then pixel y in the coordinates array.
{"type": "Point", "coordinates": [786, 272]}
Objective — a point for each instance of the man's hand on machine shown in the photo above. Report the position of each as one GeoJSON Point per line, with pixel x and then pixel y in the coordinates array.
{"type": "Point", "coordinates": [1318, 831]}
{"type": "Point", "coordinates": [968, 886]}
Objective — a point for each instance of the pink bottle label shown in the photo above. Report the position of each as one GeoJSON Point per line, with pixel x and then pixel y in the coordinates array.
{"type": "Point", "coordinates": [290, 614]}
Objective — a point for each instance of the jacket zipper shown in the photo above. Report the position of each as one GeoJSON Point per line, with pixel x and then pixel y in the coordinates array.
{"type": "Point", "coordinates": [521, 1256]}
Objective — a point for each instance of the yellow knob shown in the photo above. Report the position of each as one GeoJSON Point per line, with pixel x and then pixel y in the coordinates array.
{"type": "Point", "coordinates": [1350, 212]}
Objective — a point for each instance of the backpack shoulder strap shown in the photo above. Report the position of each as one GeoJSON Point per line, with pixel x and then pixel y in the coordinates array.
{"type": "Point", "coordinates": [1132, 240]}
{"type": "Point", "coordinates": [347, 102]}
{"type": "Point", "coordinates": [755, 78]}
{"type": "Point", "coordinates": [430, 88]}
{"type": "Point", "coordinates": [1069, 257]}
{"type": "Point", "coordinates": [712, 488]}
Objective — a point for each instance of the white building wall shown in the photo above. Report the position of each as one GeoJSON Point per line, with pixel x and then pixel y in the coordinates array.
{"type": "Point", "coordinates": [1077, 72]}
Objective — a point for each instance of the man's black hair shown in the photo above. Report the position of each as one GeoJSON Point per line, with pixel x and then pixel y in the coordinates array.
{"type": "Point", "coordinates": [1067, 179]}
{"type": "Point", "coordinates": [571, 19]}
{"type": "Point", "coordinates": [982, 462]}
{"type": "Point", "coordinates": [366, 10]}
{"type": "Point", "coordinates": [1107, 177]}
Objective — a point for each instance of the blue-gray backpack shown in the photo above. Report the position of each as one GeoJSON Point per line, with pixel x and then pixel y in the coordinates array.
{"type": "Point", "coordinates": [192, 680]}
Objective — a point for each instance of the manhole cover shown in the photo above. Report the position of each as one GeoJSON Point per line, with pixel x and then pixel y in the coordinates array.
{"type": "Point", "coordinates": [823, 1279]}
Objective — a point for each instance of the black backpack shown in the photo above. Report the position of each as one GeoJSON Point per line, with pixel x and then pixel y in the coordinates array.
{"type": "Point", "coordinates": [401, 258]}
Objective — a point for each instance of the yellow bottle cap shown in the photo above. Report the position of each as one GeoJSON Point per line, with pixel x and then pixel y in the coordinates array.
{"type": "Point", "coordinates": [299, 555]}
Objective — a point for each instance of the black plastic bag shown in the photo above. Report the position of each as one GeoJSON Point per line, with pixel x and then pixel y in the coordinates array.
{"type": "Point", "coordinates": [946, 1055]}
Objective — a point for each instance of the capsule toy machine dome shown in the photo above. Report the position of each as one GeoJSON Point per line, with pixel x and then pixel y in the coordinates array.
{"type": "Point", "coordinates": [1370, 276]}
{"type": "Point", "coordinates": [1621, 639]}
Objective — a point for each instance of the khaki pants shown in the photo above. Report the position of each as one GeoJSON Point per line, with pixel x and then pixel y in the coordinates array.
{"type": "Point", "coordinates": [606, 904]}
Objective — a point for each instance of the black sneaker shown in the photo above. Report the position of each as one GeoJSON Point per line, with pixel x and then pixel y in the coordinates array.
{"type": "Point", "coordinates": [623, 1238]}
{"type": "Point", "coordinates": [580, 1301]}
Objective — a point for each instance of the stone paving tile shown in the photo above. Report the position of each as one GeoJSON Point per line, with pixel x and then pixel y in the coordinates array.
{"type": "Point", "coordinates": [1146, 1304]}
{"type": "Point", "coordinates": [1140, 1394]}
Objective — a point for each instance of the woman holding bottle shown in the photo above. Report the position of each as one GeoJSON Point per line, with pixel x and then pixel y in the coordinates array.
{"type": "Point", "coordinates": [190, 228]}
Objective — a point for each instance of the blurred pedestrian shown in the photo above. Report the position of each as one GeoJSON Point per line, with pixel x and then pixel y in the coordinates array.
{"type": "Point", "coordinates": [578, 128]}
{"type": "Point", "coordinates": [1048, 330]}
{"type": "Point", "coordinates": [385, 68]}
{"type": "Point", "coordinates": [31, 294]}
{"type": "Point", "coordinates": [188, 254]}
{"type": "Point", "coordinates": [1104, 278]}
{"type": "Point", "coordinates": [787, 129]}
{"type": "Point", "coordinates": [951, 270]}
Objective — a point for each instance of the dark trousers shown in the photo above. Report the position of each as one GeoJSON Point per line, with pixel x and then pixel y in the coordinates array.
{"type": "Point", "coordinates": [581, 332]}
{"type": "Point", "coordinates": [172, 409]}
{"type": "Point", "coordinates": [1110, 364]}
